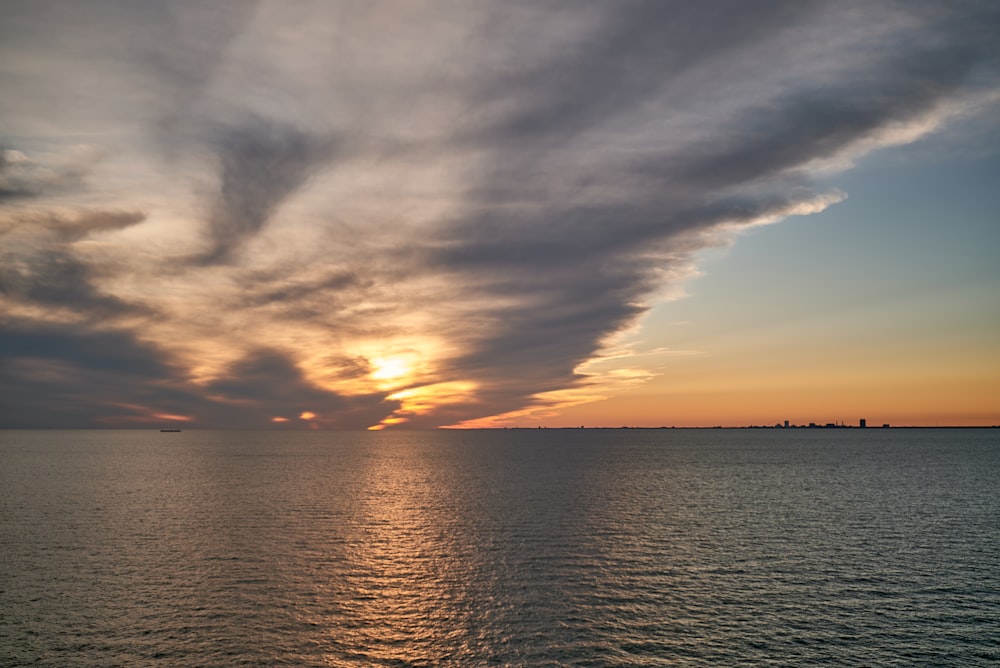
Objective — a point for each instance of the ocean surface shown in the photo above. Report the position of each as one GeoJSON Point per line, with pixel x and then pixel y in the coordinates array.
{"type": "Point", "coordinates": [825, 547]}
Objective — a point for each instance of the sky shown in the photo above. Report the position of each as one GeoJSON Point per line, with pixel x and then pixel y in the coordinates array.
{"type": "Point", "coordinates": [369, 215]}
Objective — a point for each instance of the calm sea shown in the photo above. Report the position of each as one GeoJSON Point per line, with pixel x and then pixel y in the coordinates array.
{"type": "Point", "coordinates": [500, 548]}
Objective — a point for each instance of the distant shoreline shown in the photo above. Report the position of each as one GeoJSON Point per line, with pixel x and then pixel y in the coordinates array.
{"type": "Point", "coordinates": [730, 427]}
{"type": "Point", "coordinates": [817, 427]}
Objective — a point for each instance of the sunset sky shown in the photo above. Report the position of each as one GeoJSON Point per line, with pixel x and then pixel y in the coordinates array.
{"type": "Point", "coordinates": [452, 213]}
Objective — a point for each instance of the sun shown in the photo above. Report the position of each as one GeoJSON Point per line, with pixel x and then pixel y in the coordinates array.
{"type": "Point", "coordinates": [390, 368]}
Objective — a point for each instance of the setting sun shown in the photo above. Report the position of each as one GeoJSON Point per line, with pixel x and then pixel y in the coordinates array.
{"type": "Point", "coordinates": [390, 368]}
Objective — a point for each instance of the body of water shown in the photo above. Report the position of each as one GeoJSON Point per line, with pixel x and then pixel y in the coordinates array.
{"type": "Point", "coordinates": [840, 547]}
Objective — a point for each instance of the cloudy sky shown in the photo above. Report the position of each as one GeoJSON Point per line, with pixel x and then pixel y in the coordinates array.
{"type": "Point", "coordinates": [421, 214]}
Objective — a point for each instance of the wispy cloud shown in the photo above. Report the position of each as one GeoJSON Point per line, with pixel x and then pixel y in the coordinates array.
{"type": "Point", "coordinates": [392, 214]}
{"type": "Point", "coordinates": [39, 267]}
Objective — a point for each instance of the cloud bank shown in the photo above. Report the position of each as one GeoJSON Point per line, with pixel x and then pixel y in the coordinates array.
{"type": "Point", "coordinates": [392, 214]}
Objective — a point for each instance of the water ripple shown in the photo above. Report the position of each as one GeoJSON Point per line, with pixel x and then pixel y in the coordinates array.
{"type": "Point", "coordinates": [534, 548]}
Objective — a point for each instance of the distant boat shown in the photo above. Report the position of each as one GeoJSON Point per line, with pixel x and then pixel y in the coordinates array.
{"type": "Point", "coordinates": [170, 430]}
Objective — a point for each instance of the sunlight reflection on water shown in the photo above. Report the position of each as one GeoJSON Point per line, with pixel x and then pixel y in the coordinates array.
{"type": "Point", "coordinates": [620, 548]}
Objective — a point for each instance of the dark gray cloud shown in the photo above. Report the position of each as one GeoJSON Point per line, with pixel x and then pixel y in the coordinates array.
{"type": "Point", "coordinates": [69, 227]}
{"type": "Point", "coordinates": [57, 278]}
{"type": "Point", "coordinates": [584, 270]}
{"type": "Point", "coordinates": [57, 376]}
{"type": "Point", "coordinates": [261, 163]}
{"type": "Point", "coordinates": [635, 52]}
{"type": "Point", "coordinates": [52, 376]}
{"type": "Point", "coordinates": [266, 384]}
{"type": "Point", "coordinates": [787, 134]}
{"type": "Point", "coordinates": [576, 277]}
{"type": "Point", "coordinates": [99, 65]}
{"type": "Point", "coordinates": [329, 292]}
{"type": "Point", "coordinates": [39, 266]}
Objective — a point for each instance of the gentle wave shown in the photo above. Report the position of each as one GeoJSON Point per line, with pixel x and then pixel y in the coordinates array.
{"type": "Point", "coordinates": [500, 548]}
